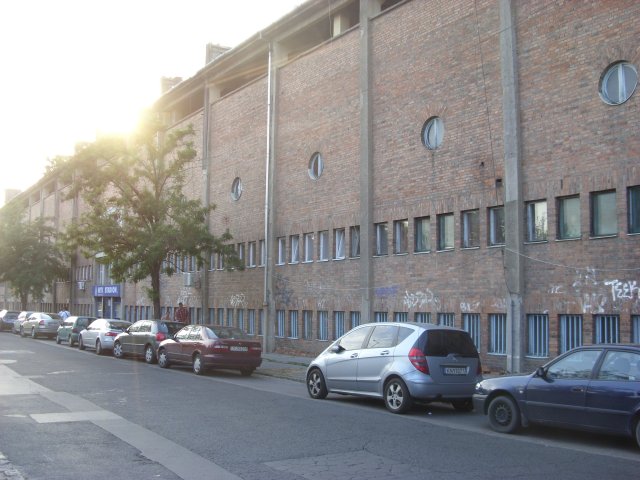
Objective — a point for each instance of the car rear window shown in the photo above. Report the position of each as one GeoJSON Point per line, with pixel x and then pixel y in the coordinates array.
{"type": "Point", "coordinates": [118, 325]}
{"type": "Point", "coordinates": [11, 315]}
{"type": "Point", "coordinates": [227, 332]}
{"type": "Point", "coordinates": [170, 328]}
{"type": "Point", "coordinates": [440, 343]}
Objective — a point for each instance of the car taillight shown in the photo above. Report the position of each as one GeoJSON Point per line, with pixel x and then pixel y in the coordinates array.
{"type": "Point", "coordinates": [418, 360]}
{"type": "Point", "coordinates": [74, 330]}
{"type": "Point", "coordinates": [110, 334]}
{"type": "Point", "coordinates": [41, 322]}
{"type": "Point", "coordinates": [160, 336]}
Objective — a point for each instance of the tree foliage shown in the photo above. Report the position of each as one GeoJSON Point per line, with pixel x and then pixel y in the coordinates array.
{"type": "Point", "coordinates": [137, 215]}
{"type": "Point", "coordinates": [30, 259]}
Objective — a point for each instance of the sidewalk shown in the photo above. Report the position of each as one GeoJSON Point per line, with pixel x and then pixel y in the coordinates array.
{"type": "Point", "coordinates": [278, 365]}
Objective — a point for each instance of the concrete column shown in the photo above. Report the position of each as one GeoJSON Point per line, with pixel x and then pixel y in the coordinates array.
{"type": "Point", "coordinates": [514, 207]}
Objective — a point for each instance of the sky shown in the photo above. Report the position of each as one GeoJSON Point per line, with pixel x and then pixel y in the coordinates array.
{"type": "Point", "coordinates": [70, 69]}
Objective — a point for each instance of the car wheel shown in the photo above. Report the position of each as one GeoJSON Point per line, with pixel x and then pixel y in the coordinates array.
{"type": "Point", "coordinates": [117, 350]}
{"type": "Point", "coordinates": [71, 342]}
{"type": "Point", "coordinates": [198, 368]}
{"type": "Point", "coordinates": [397, 398]}
{"type": "Point", "coordinates": [315, 384]}
{"type": "Point", "coordinates": [163, 359]}
{"type": "Point", "coordinates": [638, 432]}
{"type": "Point", "coordinates": [463, 405]}
{"type": "Point", "coordinates": [22, 332]}
{"type": "Point", "coordinates": [149, 354]}
{"type": "Point", "coordinates": [99, 348]}
{"type": "Point", "coordinates": [33, 333]}
{"type": "Point", "coordinates": [58, 340]}
{"type": "Point", "coordinates": [81, 344]}
{"type": "Point", "coordinates": [504, 416]}
{"type": "Point", "coordinates": [246, 372]}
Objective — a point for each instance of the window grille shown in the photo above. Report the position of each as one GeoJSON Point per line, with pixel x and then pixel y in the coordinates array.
{"type": "Point", "coordinates": [607, 329]}
{"type": "Point", "coordinates": [447, 319]}
{"type": "Point", "coordinates": [570, 332]}
{"type": "Point", "coordinates": [471, 323]}
{"type": "Point", "coordinates": [498, 333]}
{"type": "Point", "coordinates": [538, 340]}
{"type": "Point", "coordinates": [323, 325]}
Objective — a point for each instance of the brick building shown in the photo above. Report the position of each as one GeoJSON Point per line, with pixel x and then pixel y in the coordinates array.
{"type": "Point", "coordinates": [467, 163]}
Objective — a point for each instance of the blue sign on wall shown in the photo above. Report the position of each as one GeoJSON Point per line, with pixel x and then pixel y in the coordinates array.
{"type": "Point", "coordinates": [106, 290]}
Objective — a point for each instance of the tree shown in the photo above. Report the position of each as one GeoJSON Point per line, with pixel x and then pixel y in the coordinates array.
{"type": "Point", "coordinates": [30, 259]}
{"type": "Point", "coordinates": [138, 216]}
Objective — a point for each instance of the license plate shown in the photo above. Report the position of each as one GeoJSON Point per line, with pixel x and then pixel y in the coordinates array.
{"type": "Point", "coordinates": [455, 370]}
{"type": "Point", "coordinates": [235, 348]}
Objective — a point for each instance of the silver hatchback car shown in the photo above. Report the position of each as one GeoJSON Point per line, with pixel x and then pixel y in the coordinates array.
{"type": "Point", "coordinates": [400, 363]}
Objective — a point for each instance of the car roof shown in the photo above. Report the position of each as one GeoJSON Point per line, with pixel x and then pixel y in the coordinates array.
{"type": "Point", "coordinates": [423, 326]}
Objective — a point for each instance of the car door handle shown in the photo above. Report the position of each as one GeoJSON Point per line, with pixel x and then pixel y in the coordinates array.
{"type": "Point", "coordinates": [354, 355]}
{"type": "Point", "coordinates": [384, 352]}
{"type": "Point", "coordinates": [577, 389]}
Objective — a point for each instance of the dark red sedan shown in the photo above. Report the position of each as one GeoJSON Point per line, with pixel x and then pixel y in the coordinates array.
{"type": "Point", "coordinates": [211, 346]}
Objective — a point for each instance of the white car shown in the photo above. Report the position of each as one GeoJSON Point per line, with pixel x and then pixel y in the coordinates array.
{"type": "Point", "coordinates": [100, 334]}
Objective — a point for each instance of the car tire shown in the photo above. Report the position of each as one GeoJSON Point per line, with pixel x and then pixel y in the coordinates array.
{"type": "Point", "coordinates": [462, 404]}
{"type": "Point", "coordinates": [246, 372]}
{"type": "Point", "coordinates": [638, 431]}
{"type": "Point", "coordinates": [198, 367]}
{"type": "Point", "coordinates": [58, 340]}
{"type": "Point", "coordinates": [99, 350]}
{"type": "Point", "coordinates": [149, 354]}
{"type": "Point", "coordinates": [163, 359]}
{"type": "Point", "coordinates": [396, 396]}
{"type": "Point", "coordinates": [316, 385]}
{"type": "Point", "coordinates": [81, 344]}
{"type": "Point", "coordinates": [71, 342]}
{"type": "Point", "coordinates": [117, 350]}
{"type": "Point", "coordinates": [21, 331]}
{"type": "Point", "coordinates": [504, 415]}
{"type": "Point", "coordinates": [33, 333]}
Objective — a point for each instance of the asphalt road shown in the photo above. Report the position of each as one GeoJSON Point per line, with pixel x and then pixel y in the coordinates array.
{"type": "Point", "coordinates": [67, 414]}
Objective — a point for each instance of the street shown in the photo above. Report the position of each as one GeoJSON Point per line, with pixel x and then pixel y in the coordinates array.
{"type": "Point", "coordinates": [66, 413]}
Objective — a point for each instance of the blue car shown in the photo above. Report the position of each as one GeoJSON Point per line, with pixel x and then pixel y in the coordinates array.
{"type": "Point", "coordinates": [594, 388]}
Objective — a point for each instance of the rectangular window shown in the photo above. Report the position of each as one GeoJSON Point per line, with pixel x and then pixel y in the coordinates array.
{"type": "Point", "coordinates": [282, 250]}
{"type": "Point", "coordinates": [607, 329]}
{"type": "Point", "coordinates": [263, 253]}
{"type": "Point", "coordinates": [471, 323]}
{"type": "Point", "coordinates": [354, 247]}
{"type": "Point", "coordinates": [229, 317]}
{"type": "Point", "coordinates": [536, 215]}
{"type": "Point", "coordinates": [445, 231]}
{"type": "Point", "coordinates": [400, 317]}
{"type": "Point", "coordinates": [496, 225]}
{"type": "Point", "coordinates": [241, 252]}
{"type": "Point", "coordinates": [538, 338]}
{"type": "Point", "coordinates": [633, 207]}
{"type": "Point", "coordinates": [380, 316]}
{"type": "Point", "coordinates": [212, 316]}
{"type": "Point", "coordinates": [570, 332]}
{"type": "Point", "coordinates": [422, 234]}
{"type": "Point", "coordinates": [212, 261]}
{"type": "Point", "coordinates": [307, 322]}
{"type": "Point", "coordinates": [355, 319]}
{"type": "Point", "coordinates": [400, 236]}
{"type": "Point", "coordinates": [498, 333]}
{"type": "Point", "coordinates": [293, 323]}
{"type": "Point", "coordinates": [251, 260]}
{"type": "Point", "coordinates": [323, 245]}
{"type": "Point", "coordinates": [381, 246]}
{"type": "Point", "coordinates": [635, 328]}
{"type": "Point", "coordinates": [568, 217]}
{"type": "Point", "coordinates": [471, 229]}
{"type": "Point", "coordinates": [261, 316]}
{"type": "Point", "coordinates": [422, 317]}
{"type": "Point", "coordinates": [280, 323]}
{"type": "Point", "coordinates": [447, 319]}
{"type": "Point", "coordinates": [338, 324]}
{"type": "Point", "coordinates": [338, 243]}
{"type": "Point", "coordinates": [294, 245]}
{"type": "Point", "coordinates": [308, 247]}
{"type": "Point", "coordinates": [220, 261]}
{"type": "Point", "coordinates": [323, 325]}
{"type": "Point", "coordinates": [251, 325]}
{"type": "Point", "coordinates": [240, 315]}
{"type": "Point", "coordinates": [604, 220]}
{"type": "Point", "coordinates": [221, 316]}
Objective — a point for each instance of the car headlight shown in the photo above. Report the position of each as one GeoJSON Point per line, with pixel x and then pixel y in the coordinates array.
{"type": "Point", "coordinates": [480, 388]}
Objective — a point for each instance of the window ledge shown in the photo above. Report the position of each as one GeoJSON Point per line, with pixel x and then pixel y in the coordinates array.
{"type": "Point", "coordinates": [422, 253]}
{"type": "Point", "coordinates": [307, 261]}
{"type": "Point", "coordinates": [535, 242]}
{"type": "Point", "coordinates": [497, 245]}
{"type": "Point", "coordinates": [633, 234]}
{"type": "Point", "coordinates": [400, 254]}
{"type": "Point", "coordinates": [339, 259]}
{"type": "Point", "coordinates": [567, 239]}
{"type": "Point", "coordinates": [471, 248]}
{"type": "Point", "coordinates": [598, 237]}
{"type": "Point", "coordinates": [445, 250]}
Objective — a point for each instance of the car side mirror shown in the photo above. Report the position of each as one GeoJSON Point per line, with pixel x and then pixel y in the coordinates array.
{"type": "Point", "coordinates": [337, 348]}
{"type": "Point", "coordinates": [541, 372]}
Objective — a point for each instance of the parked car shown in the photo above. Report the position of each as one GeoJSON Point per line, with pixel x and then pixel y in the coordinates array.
{"type": "Point", "coordinates": [143, 338]}
{"type": "Point", "coordinates": [71, 328]}
{"type": "Point", "coordinates": [22, 317]}
{"type": "Point", "coordinates": [593, 388]}
{"type": "Point", "coordinates": [211, 346]}
{"type": "Point", "coordinates": [7, 319]}
{"type": "Point", "coordinates": [40, 323]}
{"type": "Point", "coordinates": [399, 363]}
{"type": "Point", "coordinates": [100, 333]}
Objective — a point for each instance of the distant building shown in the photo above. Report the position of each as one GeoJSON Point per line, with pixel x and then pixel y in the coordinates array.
{"type": "Point", "coordinates": [467, 164]}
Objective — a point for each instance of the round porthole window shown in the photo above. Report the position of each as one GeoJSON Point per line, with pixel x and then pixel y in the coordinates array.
{"type": "Point", "coordinates": [433, 133]}
{"type": "Point", "coordinates": [618, 83]}
{"type": "Point", "coordinates": [316, 166]}
{"type": "Point", "coordinates": [236, 189]}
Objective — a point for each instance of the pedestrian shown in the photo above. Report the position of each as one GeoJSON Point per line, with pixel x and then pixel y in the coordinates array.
{"type": "Point", "coordinates": [167, 316]}
{"type": "Point", "coordinates": [182, 314]}
{"type": "Point", "coordinates": [64, 313]}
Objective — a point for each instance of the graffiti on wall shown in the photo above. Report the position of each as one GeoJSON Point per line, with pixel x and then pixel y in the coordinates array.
{"type": "Point", "coordinates": [238, 300]}
{"type": "Point", "coordinates": [421, 299]}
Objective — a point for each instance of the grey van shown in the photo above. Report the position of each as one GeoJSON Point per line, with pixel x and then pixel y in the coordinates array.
{"type": "Point", "coordinates": [400, 363]}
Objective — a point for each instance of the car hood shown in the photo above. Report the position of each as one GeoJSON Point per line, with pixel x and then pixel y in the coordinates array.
{"type": "Point", "coordinates": [510, 383]}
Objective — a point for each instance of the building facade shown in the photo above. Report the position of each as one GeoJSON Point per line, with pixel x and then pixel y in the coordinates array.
{"type": "Point", "coordinates": [468, 164]}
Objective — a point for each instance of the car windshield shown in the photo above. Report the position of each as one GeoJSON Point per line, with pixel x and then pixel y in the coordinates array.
{"type": "Point", "coordinates": [441, 343]}
{"type": "Point", "coordinates": [225, 332]}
